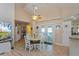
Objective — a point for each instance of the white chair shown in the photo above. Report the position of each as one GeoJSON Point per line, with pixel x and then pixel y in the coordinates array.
{"type": "Point", "coordinates": [42, 40]}
{"type": "Point", "coordinates": [37, 45]}
{"type": "Point", "coordinates": [27, 43]}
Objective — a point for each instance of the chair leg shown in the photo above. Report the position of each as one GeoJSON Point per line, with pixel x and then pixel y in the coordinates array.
{"type": "Point", "coordinates": [25, 48]}
{"type": "Point", "coordinates": [35, 46]}
{"type": "Point", "coordinates": [30, 48]}
{"type": "Point", "coordinates": [40, 46]}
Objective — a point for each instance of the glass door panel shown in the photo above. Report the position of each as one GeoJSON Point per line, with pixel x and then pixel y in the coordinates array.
{"type": "Point", "coordinates": [43, 30]}
{"type": "Point", "coordinates": [47, 32]}
{"type": "Point", "coordinates": [49, 35]}
{"type": "Point", "coordinates": [43, 33]}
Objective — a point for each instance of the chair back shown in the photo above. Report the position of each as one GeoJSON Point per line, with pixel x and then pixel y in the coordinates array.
{"type": "Point", "coordinates": [42, 38]}
{"type": "Point", "coordinates": [27, 39]}
{"type": "Point", "coordinates": [27, 42]}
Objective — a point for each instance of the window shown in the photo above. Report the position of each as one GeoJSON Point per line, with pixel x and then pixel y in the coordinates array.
{"type": "Point", "coordinates": [42, 29]}
{"type": "Point", "coordinates": [49, 29]}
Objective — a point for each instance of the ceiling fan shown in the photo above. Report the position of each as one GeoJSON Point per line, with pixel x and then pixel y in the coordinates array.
{"type": "Point", "coordinates": [35, 17]}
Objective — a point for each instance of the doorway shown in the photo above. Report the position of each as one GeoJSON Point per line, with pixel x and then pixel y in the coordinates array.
{"type": "Point", "coordinates": [48, 32]}
{"type": "Point", "coordinates": [20, 31]}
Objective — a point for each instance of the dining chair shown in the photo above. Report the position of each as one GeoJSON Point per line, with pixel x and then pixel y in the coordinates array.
{"type": "Point", "coordinates": [28, 43]}
{"type": "Point", "coordinates": [37, 45]}
{"type": "Point", "coordinates": [42, 40]}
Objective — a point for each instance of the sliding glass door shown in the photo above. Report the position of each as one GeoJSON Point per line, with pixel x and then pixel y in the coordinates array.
{"type": "Point", "coordinates": [49, 34]}
{"type": "Point", "coordinates": [47, 31]}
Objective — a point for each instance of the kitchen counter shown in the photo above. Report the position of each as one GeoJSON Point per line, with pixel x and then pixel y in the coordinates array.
{"type": "Point", "coordinates": [74, 45]}
{"type": "Point", "coordinates": [74, 37]}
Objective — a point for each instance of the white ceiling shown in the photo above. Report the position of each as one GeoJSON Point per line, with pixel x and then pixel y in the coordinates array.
{"type": "Point", "coordinates": [53, 10]}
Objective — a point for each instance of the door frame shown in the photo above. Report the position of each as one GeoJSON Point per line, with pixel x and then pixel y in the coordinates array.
{"type": "Point", "coordinates": [46, 26]}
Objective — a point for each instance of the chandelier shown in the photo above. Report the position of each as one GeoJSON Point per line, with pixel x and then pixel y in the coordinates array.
{"type": "Point", "coordinates": [36, 17]}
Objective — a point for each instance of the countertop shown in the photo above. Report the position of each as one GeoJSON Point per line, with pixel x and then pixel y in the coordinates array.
{"type": "Point", "coordinates": [74, 37]}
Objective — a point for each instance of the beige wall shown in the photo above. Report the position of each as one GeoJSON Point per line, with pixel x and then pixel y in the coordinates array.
{"type": "Point", "coordinates": [58, 36]}
{"type": "Point", "coordinates": [7, 12]}
{"type": "Point", "coordinates": [21, 14]}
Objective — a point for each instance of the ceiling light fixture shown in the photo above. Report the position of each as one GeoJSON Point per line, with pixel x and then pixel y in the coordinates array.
{"type": "Point", "coordinates": [35, 17]}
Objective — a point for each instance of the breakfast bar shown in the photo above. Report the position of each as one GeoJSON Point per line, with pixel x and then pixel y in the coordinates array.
{"type": "Point", "coordinates": [74, 45]}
